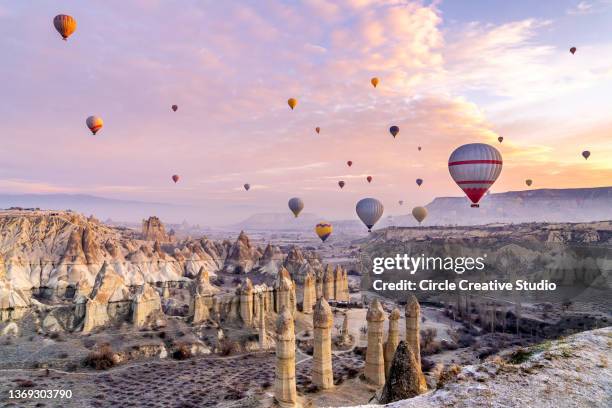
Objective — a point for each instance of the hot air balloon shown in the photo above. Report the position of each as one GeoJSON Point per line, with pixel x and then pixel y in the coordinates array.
{"type": "Point", "coordinates": [65, 25]}
{"type": "Point", "coordinates": [573, 50]}
{"type": "Point", "coordinates": [349, 163]}
{"type": "Point", "coordinates": [586, 154]}
{"type": "Point", "coordinates": [500, 139]}
{"type": "Point", "coordinates": [174, 107]}
{"type": "Point", "coordinates": [475, 167]}
{"type": "Point", "coordinates": [401, 202]}
{"type": "Point", "coordinates": [247, 186]}
{"type": "Point", "coordinates": [374, 81]}
{"type": "Point", "coordinates": [94, 123]}
{"type": "Point", "coordinates": [528, 182]}
{"type": "Point", "coordinates": [394, 130]}
{"type": "Point", "coordinates": [324, 230]}
{"type": "Point", "coordinates": [175, 178]}
{"type": "Point", "coordinates": [296, 205]}
{"type": "Point", "coordinates": [341, 184]}
{"type": "Point", "coordinates": [292, 103]}
{"type": "Point", "coordinates": [419, 182]}
{"type": "Point", "coordinates": [317, 129]}
{"type": "Point", "coordinates": [369, 211]}
{"type": "Point", "coordinates": [419, 148]}
{"type": "Point", "coordinates": [369, 178]}
{"type": "Point", "coordinates": [419, 213]}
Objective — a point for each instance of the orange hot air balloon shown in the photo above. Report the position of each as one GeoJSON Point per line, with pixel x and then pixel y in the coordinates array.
{"type": "Point", "coordinates": [317, 129]}
{"type": "Point", "coordinates": [175, 178]}
{"type": "Point", "coordinates": [65, 25]}
{"type": "Point", "coordinates": [369, 178]}
{"type": "Point", "coordinates": [174, 107]}
{"type": "Point", "coordinates": [349, 163]}
{"type": "Point", "coordinates": [573, 50]}
{"type": "Point", "coordinates": [94, 123]}
{"type": "Point", "coordinates": [500, 139]}
{"type": "Point", "coordinates": [374, 81]}
{"type": "Point", "coordinates": [341, 184]}
{"type": "Point", "coordinates": [292, 102]}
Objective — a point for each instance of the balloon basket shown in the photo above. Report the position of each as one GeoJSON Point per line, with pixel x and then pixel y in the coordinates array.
{"type": "Point", "coordinates": [475, 205]}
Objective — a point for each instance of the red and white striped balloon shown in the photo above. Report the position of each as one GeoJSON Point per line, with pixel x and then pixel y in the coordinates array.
{"type": "Point", "coordinates": [475, 167]}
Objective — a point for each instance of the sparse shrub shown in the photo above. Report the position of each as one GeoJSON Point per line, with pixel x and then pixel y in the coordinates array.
{"type": "Point", "coordinates": [432, 347]}
{"type": "Point", "coordinates": [182, 352]}
{"type": "Point", "coordinates": [21, 383]}
{"type": "Point", "coordinates": [428, 336]}
{"type": "Point", "coordinates": [101, 359]}
{"type": "Point", "coordinates": [352, 372]}
{"type": "Point", "coordinates": [226, 347]}
{"type": "Point", "coordinates": [426, 365]}
{"type": "Point", "coordinates": [338, 380]}
{"type": "Point", "coordinates": [312, 388]}
{"type": "Point", "coordinates": [220, 280]}
{"type": "Point", "coordinates": [448, 375]}
{"type": "Point", "coordinates": [72, 367]}
{"type": "Point", "coordinates": [89, 343]}
{"type": "Point", "coordinates": [161, 335]}
{"type": "Point", "coordinates": [237, 280]}
{"type": "Point", "coordinates": [520, 356]}
{"type": "Point", "coordinates": [63, 355]}
{"type": "Point", "coordinates": [266, 384]}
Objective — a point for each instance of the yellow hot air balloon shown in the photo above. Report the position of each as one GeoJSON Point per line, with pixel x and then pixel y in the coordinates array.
{"type": "Point", "coordinates": [292, 102]}
{"type": "Point", "coordinates": [374, 81]}
{"type": "Point", "coordinates": [65, 25]}
{"type": "Point", "coordinates": [324, 230]}
{"type": "Point", "coordinates": [94, 123]}
{"type": "Point", "coordinates": [419, 213]}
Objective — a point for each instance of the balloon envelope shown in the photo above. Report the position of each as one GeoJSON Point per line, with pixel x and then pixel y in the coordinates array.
{"type": "Point", "coordinates": [374, 81]}
{"type": "Point", "coordinates": [500, 139]}
{"type": "Point", "coordinates": [296, 205]}
{"type": "Point", "coordinates": [174, 107]}
{"type": "Point", "coordinates": [317, 129]}
{"type": "Point", "coordinates": [586, 154]}
{"type": "Point", "coordinates": [349, 163]}
{"type": "Point", "coordinates": [419, 148]}
{"type": "Point", "coordinates": [419, 213]}
{"type": "Point", "coordinates": [247, 186]}
{"type": "Point", "coordinates": [401, 202]}
{"type": "Point", "coordinates": [323, 230]}
{"type": "Point", "coordinates": [369, 178]}
{"type": "Point", "coordinates": [94, 123]}
{"type": "Point", "coordinates": [475, 167]}
{"type": "Point", "coordinates": [292, 102]}
{"type": "Point", "coordinates": [65, 25]}
{"type": "Point", "coordinates": [394, 130]}
{"type": "Point", "coordinates": [175, 178]}
{"type": "Point", "coordinates": [369, 211]}
{"type": "Point", "coordinates": [341, 184]}
{"type": "Point", "coordinates": [573, 50]}
{"type": "Point", "coordinates": [528, 182]}
{"type": "Point", "coordinates": [419, 182]}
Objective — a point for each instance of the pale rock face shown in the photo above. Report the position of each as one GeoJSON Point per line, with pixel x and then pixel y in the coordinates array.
{"type": "Point", "coordinates": [154, 230]}
{"type": "Point", "coordinates": [271, 260]}
{"type": "Point", "coordinates": [405, 378]}
{"type": "Point", "coordinates": [108, 287]}
{"type": "Point", "coordinates": [146, 306]}
{"type": "Point", "coordinates": [285, 292]}
{"type": "Point", "coordinates": [284, 382]}
{"type": "Point", "coordinates": [309, 293]}
{"type": "Point", "coordinates": [375, 362]}
{"type": "Point", "coordinates": [13, 303]}
{"type": "Point", "coordinates": [242, 255]}
{"type": "Point", "coordinates": [392, 339]}
{"type": "Point", "coordinates": [328, 283]}
{"type": "Point", "coordinates": [245, 291]}
{"type": "Point", "coordinates": [322, 373]}
{"type": "Point", "coordinates": [413, 317]}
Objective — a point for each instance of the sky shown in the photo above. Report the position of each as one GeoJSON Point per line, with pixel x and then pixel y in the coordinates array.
{"type": "Point", "coordinates": [451, 72]}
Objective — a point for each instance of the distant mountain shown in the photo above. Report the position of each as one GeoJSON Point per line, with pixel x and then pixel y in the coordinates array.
{"type": "Point", "coordinates": [541, 205]}
{"type": "Point", "coordinates": [102, 208]}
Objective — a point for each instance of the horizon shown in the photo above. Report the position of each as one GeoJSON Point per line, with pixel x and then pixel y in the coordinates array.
{"type": "Point", "coordinates": [448, 75]}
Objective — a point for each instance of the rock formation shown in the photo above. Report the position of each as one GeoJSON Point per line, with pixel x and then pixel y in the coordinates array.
{"type": "Point", "coordinates": [246, 302]}
{"type": "Point", "coordinates": [405, 379]}
{"type": "Point", "coordinates": [242, 256]}
{"type": "Point", "coordinates": [322, 373]}
{"type": "Point", "coordinates": [146, 306]}
{"type": "Point", "coordinates": [109, 287]}
{"type": "Point", "coordinates": [392, 339]}
{"type": "Point", "coordinates": [309, 293]}
{"type": "Point", "coordinates": [271, 260]}
{"type": "Point", "coordinates": [202, 292]}
{"type": "Point", "coordinates": [285, 292]}
{"type": "Point", "coordinates": [284, 383]}
{"type": "Point", "coordinates": [413, 317]}
{"type": "Point", "coordinates": [375, 362]}
{"type": "Point", "coordinates": [328, 283]}
{"type": "Point", "coordinates": [263, 341]}
{"type": "Point", "coordinates": [153, 230]}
